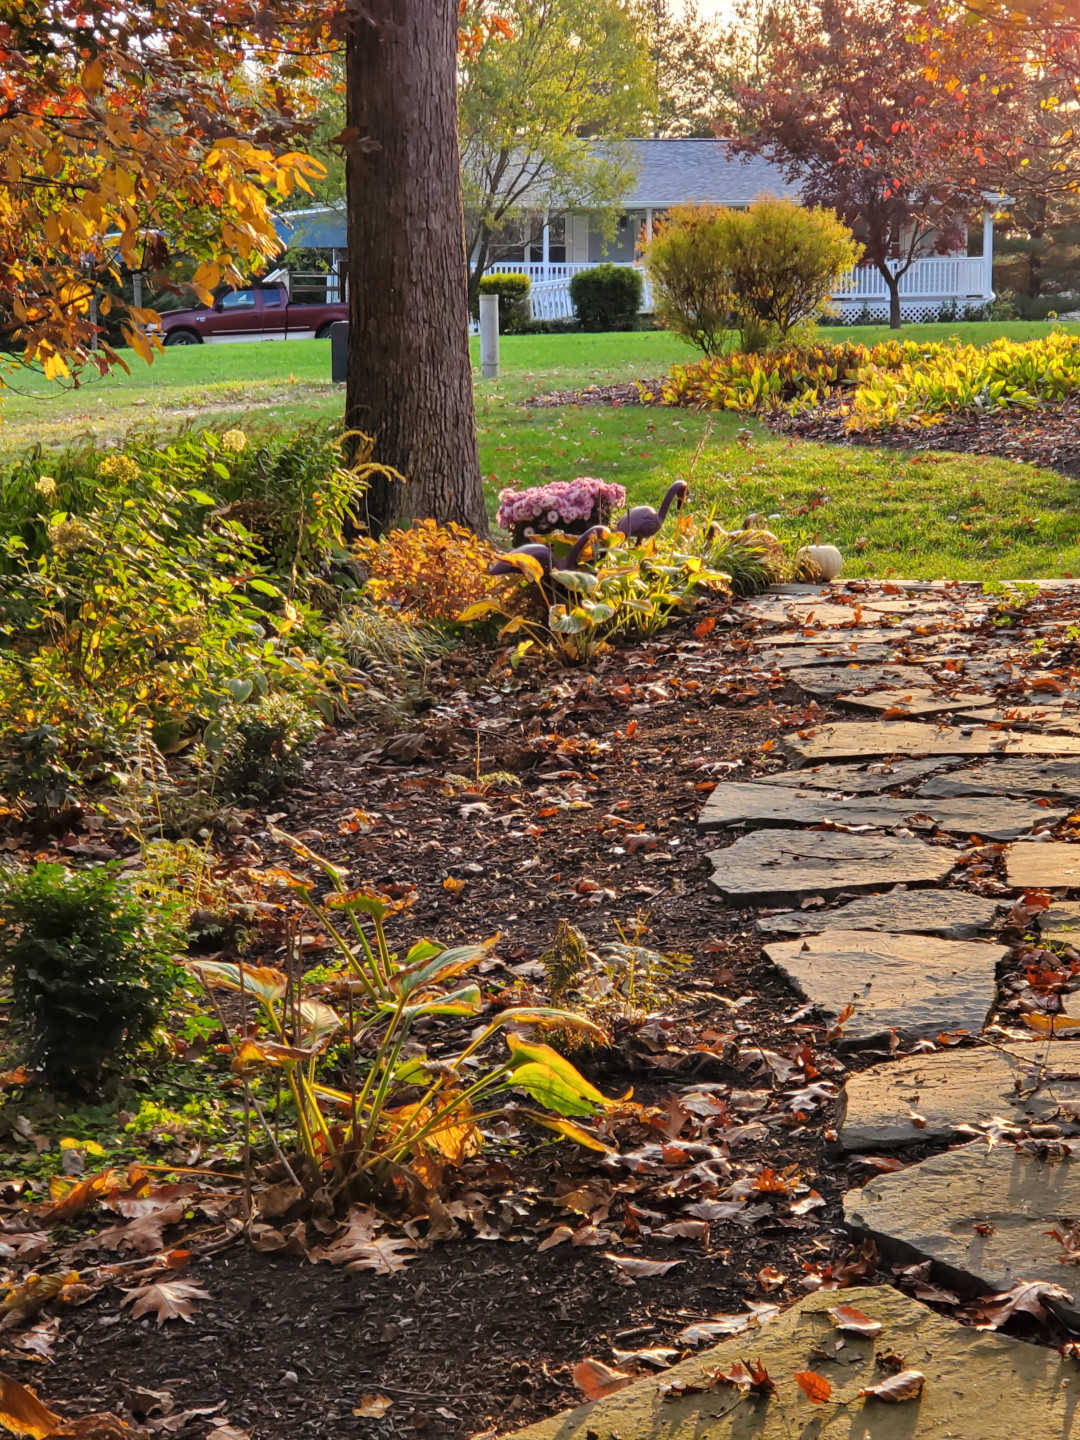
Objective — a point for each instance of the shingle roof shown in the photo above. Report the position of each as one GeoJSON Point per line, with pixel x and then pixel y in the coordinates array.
{"type": "Point", "coordinates": [674, 172]}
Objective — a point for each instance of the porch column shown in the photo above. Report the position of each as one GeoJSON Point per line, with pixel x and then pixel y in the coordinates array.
{"type": "Point", "coordinates": [648, 225]}
{"type": "Point", "coordinates": [988, 253]}
{"type": "Point", "coordinates": [546, 253]}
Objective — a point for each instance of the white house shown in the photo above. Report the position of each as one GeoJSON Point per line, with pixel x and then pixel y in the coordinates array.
{"type": "Point", "coordinates": [552, 247]}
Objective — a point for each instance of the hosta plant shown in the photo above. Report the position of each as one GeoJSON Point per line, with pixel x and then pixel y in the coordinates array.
{"type": "Point", "coordinates": [632, 589]}
{"type": "Point", "coordinates": [395, 1108]}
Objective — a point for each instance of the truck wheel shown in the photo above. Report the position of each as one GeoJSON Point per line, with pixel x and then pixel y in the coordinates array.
{"type": "Point", "coordinates": [183, 337]}
{"type": "Point", "coordinates": [323, 332]}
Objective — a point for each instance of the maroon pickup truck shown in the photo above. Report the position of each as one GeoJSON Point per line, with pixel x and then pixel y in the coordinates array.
{"type": "Point", "coordinates": [263, 312]}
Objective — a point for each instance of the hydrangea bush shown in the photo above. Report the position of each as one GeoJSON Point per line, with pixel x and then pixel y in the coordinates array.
{"type": "Point", "coordinates": [562, 505]}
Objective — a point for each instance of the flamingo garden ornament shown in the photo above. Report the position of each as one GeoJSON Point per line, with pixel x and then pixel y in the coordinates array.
{"type": "Point", "coordinates": [544, 555]}
{"type": "Point", "coordinates": [642, 522]}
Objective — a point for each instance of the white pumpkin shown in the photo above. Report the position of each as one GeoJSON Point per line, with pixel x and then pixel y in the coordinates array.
{"type": "Point", "coordinates": [824, 561]}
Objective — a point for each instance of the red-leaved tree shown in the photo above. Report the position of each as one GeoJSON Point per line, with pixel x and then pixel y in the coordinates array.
{"type": "Point", "coordinates": [853, 115]}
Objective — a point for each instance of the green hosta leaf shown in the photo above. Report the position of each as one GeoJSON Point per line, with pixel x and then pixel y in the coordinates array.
{"type": "Point", "coordinates": [443, 966]}
{"type": "Point", "coordinates": [568, 622]}
{"type": "Point", "coordinates": [551, 1079]}
{"type": "Point", "coordinates": [578, 580]}
{"type": "Point", "coordinates": [466, 1001]}
{"type": "Point", "coordinates": [598, 611]}
{"type": "Point", "coordinates": [421, 951]}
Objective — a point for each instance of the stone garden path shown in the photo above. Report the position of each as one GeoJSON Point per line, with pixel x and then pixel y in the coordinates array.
{"type": "Point", "coordinates": [881, 863]}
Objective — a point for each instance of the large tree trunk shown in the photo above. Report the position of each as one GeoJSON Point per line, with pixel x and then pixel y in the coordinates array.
{"type": "Point", "coordinates": [410, 380]}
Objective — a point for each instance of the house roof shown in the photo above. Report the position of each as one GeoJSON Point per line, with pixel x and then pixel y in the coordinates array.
{"type": "Point", "coordinates": [668, 172]}
{"type": "Point", "coordinates": [676, 172]}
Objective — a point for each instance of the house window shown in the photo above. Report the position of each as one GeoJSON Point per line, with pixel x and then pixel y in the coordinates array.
{"type": "Point", "coordinates": [557, 240]}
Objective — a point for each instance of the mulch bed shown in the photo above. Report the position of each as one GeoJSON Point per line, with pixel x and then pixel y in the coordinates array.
{"type": "Point", "coordinates": [1047, 435]}
{"type": "Point", "coordinates": [478, 1335]}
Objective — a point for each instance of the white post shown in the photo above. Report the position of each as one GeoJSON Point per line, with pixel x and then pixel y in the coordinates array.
{"type": "Point", "coordinates": [136, 288]}
{"type": "Point", "coordinates": [648, 226]}
{"type": "Point", "coordinates": [489, 337]}
{"type": "Point", "coordinates": [546, 253]}
{"type": "Point", "coordinates": [988, 253]}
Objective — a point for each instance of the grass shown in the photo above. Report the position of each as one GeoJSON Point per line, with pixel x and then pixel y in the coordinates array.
{"type": "Point", "coordinates": [963, 517]}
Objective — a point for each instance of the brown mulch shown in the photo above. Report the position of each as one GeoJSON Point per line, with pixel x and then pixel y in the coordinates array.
{"type": "Point", "coordinates": [1047, 435]}
{"type": "Point", "coordinates": [480, 1334]}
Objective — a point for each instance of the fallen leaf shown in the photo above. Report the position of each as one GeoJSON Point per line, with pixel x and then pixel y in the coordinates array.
{"type": "Point", "coordinates": [595, 1379]}
{"type": "Point", "coordinates": [166, 1300]}
{"type": "Point", "coordinates": [1026, 1297]}
{"type": "Point", "coordinates": [640, 1268]}
{"type": "Point", "coordinates": [846, 1317]}
{"type": "Point", "coordinates": [905, 1386]}
{"type": "Point", "coordinates": [383, 1255]}
{"type": "Point", "coordinates": [558, 1236]}
{"type": "Point", "coordinates": [658, 1356]}
{"type": "Point", "coordinates": [815, 1387]}
{"type": "Point", "coordinates": [66, 1204]}
{"type": "Point", "coordinates": [373, 1407]}
{"type": "Point", "coordinates": [142, 1235]}
{"type": "Point", "coordinates": [769, 1278]}
{"type": "Point", "coordinates": [22, 1412]}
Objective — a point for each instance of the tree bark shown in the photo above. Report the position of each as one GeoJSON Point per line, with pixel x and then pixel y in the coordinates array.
{"type": "Point", "coordinates": [410, 378]}
{"type": "Point", "coordinates": [892, 284]}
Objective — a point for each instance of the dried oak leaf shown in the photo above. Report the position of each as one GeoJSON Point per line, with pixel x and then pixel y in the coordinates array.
{"type": "Point", "coordinates": [167, 1300]}
{"type": "Point", "coordinates": [383, 1255]}
{"type": "Point", "coordinates": [144, 1234]}
{"type": "Point", "coordinates": [906, 1385]}
{"type": "Point", "coordinates": [595, 1379]}
{"type": "Point", "coordinates": [749, 1376]}
{"type": "Point", "coordinates": [639, 1268]}
{"type": "Point", "coordinates": [847, 1317]}
{"type": "Point", "coordinates": [1026, 1297]}
{"type": "Point", "coordinates": [814, 1386]}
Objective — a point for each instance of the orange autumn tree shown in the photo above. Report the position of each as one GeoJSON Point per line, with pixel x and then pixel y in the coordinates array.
{"type": "Point", "coordinates": [127, 133]}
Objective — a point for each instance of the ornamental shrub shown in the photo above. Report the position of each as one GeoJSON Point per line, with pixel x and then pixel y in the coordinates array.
{"type": "Point", "coordinates": [91, 969]}
{"type": "Point", "coordinates": [513, 292]}
{"type": "Point", "coordinates": [763, 271]}
{"type": "Point", "coordinates": [434, 573]}
{"type": "Point", "coordinates": [606, 297]}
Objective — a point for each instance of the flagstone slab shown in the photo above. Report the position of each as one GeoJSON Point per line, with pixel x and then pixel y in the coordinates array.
{"type": "Point", "coordinates": [769, 867]}
{"type": "Point", "coordinates": [824, 657]}
{"type": "Point", "coordinates": [812, 640]}
{"type": "Point", "coordinates": [913, 700]}
{"type": "Point", "coordinates": [949, 913]}
{"type": "Point", "coordinates": [857, 779]}
{"type": "Point", "coordinates": [1050, 720]}
{"type": "Point", "coordinates": [1061, 922]}
{"type": "Point", "coordinates": [977, 1386]}
{"type": "Point", "coordinates": [909, 1101]}
{"type": "Point", "coordinates": [930, 1210]}
{"type": "Point", "coordinates": [916, 985]}
{"type": "Point", "coordinates": [1043, 865]}
{"type": "Point", "coordinates": [1053, 779]}
{"type": "Point", "coordinates": [989, 816]}
{"type": "Point", "coordinates": [856, 740]}
{"type": "Point", "coordinates": [849, 676]}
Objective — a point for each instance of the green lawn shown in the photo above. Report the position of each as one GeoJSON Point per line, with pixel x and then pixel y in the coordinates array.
{"type": "Point", "coordinates": [949, 515]}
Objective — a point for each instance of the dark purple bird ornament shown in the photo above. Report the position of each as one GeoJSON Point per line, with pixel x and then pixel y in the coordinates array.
{"type": "Point", "coordinates": [642, 522]}
{"type": "Point", "coordinates": [544, 555]}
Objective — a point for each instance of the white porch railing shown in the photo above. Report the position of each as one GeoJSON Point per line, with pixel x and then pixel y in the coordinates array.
{"type": "Point", "coordinates": [944, 277]}
{"type": "Point", "coordinates": [932, 280]}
